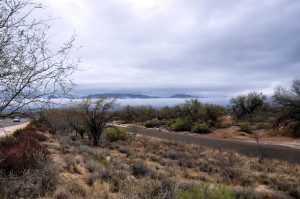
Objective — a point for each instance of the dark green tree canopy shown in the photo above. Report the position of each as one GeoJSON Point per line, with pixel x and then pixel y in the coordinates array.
{"type": "Point", "coordinates": [247, 105]}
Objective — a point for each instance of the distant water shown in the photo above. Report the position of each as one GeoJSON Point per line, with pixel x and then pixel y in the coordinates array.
{"type": "Point", "coordinates": [157, 102]}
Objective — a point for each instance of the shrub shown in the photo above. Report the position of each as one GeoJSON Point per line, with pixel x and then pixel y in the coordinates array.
{"type": "Point", "coordinates": [164, 122]}
{"type": "Point", "coordinates": [52, 131]}
{"type": "Point", "coordinates": [23, 133]}
{"type": "Point", "coordinates": [168, 123]}
{"type": "Point", "coordinates": [7, 142]}
{"type": "Point", "coordinates": [24, 155]}
{"type": "Point", "coordinates": [139, 169]}
{"type": "Point", "coordinates": [202, 191]}
{"type": "Point", "coordinates": [201, 128]}
{"type": "Point", "coordinates": [212, 113]}
{"type": "Point", "coordinates": [92, 165]}
{"type": "Point", "coordinates": [115, 134]}
{"type": "Point", "coordinates": [37, 126]}
{"type": "Point", "coordinates": [152, 123]}
{"type": "Point", "coordinates": [230, 167]}
{"type": "Point", "coordinates": [172, 155]}
{"type": "Point", "coordinates": [180, 125]}
{"type": "Point", "coordinates": [245, 128]}
{"type": "Point", "coordinates": [34, 184]}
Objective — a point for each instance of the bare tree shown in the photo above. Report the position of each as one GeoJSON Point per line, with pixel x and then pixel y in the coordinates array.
{"type": "Point", "coordinates": [75, 119]}
{"type": "Point", "coordinates": [29, 69]}
{"type": "Point", "coordinates": [97, 115]}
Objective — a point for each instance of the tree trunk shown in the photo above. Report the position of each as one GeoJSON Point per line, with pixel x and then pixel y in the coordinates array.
{"type": "Point", "coordinates": [95, 140]}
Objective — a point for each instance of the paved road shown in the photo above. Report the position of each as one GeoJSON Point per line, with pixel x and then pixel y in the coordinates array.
{"type": "Point", "coordinates": [9, 122]}
{"type": "Point", "coordinates": [247, 148]}
{"type": "Point", "coordinates": [8, 127]}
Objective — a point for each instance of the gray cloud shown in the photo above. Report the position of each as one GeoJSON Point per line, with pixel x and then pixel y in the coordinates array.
{"type": "Point", "coordinates": [200, 47]}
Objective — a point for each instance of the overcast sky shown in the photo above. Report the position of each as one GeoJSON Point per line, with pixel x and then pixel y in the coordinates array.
{"type": "Point", "coordinates": [200, 47]}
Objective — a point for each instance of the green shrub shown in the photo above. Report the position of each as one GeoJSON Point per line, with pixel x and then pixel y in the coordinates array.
{"type": "Point", "coordinates": [201, 128]}
{"type": "Point", "coordinates": [152, 123]}
{"type": "Point", "coordinates": [115, 134]}
{"type": "Point", "coordinates": [168, 123]}
{"type": "Point", "coordinates": [180, 125]}
{"type": "Point", "coordinates": [245, 128]}
{"type": "Point", "coordinates": [164, 122]}
{"type": "Point", "coordinates": [202, 191]}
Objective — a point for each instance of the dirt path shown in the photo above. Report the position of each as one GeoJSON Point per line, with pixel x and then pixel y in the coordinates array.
{"type": "Point", "coordinates": [268, 151]}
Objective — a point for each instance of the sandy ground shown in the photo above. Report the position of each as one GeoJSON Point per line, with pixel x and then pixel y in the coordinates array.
{"type": "Point", "coordinates": [7, 131]}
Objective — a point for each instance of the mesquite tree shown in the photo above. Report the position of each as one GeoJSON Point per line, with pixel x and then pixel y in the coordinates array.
{"type": "Point", "coordinates": [247, 105]}
{"type": "Point", "coordinates": [97, 114]}
{"type": "Point", "coordinates": [75, 119]}
{"type": "Point", "coordinates": [30, 70]}
{"type": "Point", "coordinates": [288, 102]}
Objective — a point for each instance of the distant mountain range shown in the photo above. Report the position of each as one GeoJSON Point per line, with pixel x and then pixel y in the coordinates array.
{"type": "Point", "coordinates": [135, 96]}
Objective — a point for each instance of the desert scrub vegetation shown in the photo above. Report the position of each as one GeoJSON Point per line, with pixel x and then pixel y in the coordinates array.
{"type": "Point", "coordinates": [180, 125]}
{"type": "Point", "coordinates": [204, 165]}
{"type": "Point", "coordinates": [203, 191]}
{"type": "Point", "coordinates": [245, 127]}
{"type": "Point", "coordinates": [288, 108]}
{"type": "Point", "coordinates": [26, 169]}
{"type": "Point", "coordinates": [22, 151]}
{"type": "Point", "coordinates": [181, 117]}
{"type": "Point", "coordinates": [115, 134]}
{"type": "Point", "coordinates": [278, 115]}
{"type": "Point", "coordinates": [152, 123]}
{"type": "Point", "coordinates": [201, 128]}
{"type": "Point", "coordinates": [142, 167]}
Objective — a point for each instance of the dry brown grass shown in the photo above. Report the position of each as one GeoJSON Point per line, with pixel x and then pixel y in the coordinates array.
{"type": "Point", "coordinates": [144, 167]}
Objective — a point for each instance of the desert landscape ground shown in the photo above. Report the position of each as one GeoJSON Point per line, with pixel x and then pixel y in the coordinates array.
{"type": "Point", "coordinates": [49, 159]}
{"type": "Point", "coordinates": [149, 99]}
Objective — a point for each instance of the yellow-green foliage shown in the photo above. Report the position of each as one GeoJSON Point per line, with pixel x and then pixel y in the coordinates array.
{"type": "Point", "coordinates": [203, 191]}
{"type": "Point", "coordinates": [152, 123]}
{"type": "Point", "coordinates": [115, 134]}
{"type": "Point", "coordinates": [245, 128]}
{"type": "Point", "coordinates": [201, 128]}
{"type": "Point", "coordinates": [180, 125]}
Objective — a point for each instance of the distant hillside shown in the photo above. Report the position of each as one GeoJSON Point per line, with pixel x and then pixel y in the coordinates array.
{"type": "Point", "coordinates": [182, 96]}
{"type": "Point", "coordinates": [134, 96]}
{"type": "Point", "coordinates": [121, 96]}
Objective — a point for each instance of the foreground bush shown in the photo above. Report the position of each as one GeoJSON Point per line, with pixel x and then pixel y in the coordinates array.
{"type": "Point", "coordinates": [34, 184]}
{"type": "Point", "coordinates": [116, 134]}
{"type": "Point", "coordinates": [25, 154]}
{"type": "Point", "coordinates": [202, 191]}
{"type": "Point", "coordinates": [152, 123]}
{"type": "Point", "coordinates": [24, 133]}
